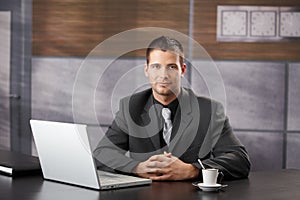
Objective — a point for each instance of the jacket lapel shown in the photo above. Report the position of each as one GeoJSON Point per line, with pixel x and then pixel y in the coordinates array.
{"type": "Point", "coordinates": [187, 122]}
{"type": "Point", "coordinates": [152, 129]}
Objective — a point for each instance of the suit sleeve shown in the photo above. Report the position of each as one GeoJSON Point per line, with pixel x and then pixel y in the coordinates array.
{"type": "Point", "coordinates": [227, 154]}
{"type": "Point", "coordinates": [111, 150]}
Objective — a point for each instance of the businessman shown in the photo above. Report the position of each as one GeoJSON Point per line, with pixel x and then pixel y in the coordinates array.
{"type": "Point", "coordinates": [161, 132]}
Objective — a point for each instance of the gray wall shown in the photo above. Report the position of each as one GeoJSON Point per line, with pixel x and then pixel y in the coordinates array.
{"type": "Point", "coordinates": [261, 101]}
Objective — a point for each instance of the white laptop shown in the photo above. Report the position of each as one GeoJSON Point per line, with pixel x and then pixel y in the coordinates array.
{"type": "Point", "coordinates": [65, 156]}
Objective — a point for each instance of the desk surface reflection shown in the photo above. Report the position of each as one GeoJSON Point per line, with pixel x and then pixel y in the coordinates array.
{"type": "Point", "coordinates": [282, 184]}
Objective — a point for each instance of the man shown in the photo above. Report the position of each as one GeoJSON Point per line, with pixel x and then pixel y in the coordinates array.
{"type": "Point", "coordinates": [167, 128]}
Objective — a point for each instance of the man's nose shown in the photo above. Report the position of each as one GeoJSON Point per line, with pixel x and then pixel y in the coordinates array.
{"type": "Point", "coordinates": [164, 71]}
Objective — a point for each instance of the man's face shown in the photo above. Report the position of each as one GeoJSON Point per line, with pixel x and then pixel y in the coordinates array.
{"type": "Point", "coordinates": [164, 73]}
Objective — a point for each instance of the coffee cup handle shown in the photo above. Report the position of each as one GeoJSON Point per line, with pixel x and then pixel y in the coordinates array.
{"type": "Point", "coordinates": [220, 177]}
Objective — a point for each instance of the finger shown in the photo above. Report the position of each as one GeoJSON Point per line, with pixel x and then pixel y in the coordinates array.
{"type": "Point", "coordinates": [151, 164]}
{"type": "Point", "coordinates": [161, 178]}
{"type": "Point", "coordinates": [167, 154]}
{"type": "Point", "coordinates": [149, 175]}
{"type": "Point", "coordinates": [156, 171]}
{"type": "Point", "coordinates": [157, 164]}
{"type": "Point", "coordinates": [153, 176]}
{"type": "Point", "coordinates": [160, 158]}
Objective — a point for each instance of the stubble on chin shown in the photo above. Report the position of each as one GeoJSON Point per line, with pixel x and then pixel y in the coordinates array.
{"type": "Point", "coordinates": [165, 92]}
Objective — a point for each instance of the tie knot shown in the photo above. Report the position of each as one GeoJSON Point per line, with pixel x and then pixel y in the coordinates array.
{"type": "Point", "coordinates": [166, 113]}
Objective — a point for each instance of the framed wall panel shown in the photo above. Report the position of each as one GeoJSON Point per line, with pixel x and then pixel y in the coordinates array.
{"type": "Point", "coordinates": [294, 97]}
{"type": "Point", "coordinates": [265, 149]}
{"type": "Point", "coordinates": [5, 50]}
{"type": "Point", "coordinates": [205, 32]}
{"type": "Point", "coordinates": [293, 141]}
{"type": "Point", "coordinates": [16, 73]}
{"type": "Point", "coordinates": [254, 93]}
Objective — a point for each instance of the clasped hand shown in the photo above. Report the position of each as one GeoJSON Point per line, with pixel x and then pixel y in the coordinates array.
{"type": "Point", "coordinates": [166, 167]}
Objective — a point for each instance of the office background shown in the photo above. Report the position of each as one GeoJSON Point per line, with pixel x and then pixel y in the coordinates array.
{"type": "Point", "coordinates": [43, 44]}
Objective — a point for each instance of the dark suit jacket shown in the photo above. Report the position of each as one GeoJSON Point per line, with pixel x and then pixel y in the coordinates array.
{"type": "Point", "coordinates": [201, 130]}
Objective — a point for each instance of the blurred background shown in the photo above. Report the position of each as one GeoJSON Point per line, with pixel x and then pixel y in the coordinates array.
{"type": "Point", "coordinates": [43, 44]}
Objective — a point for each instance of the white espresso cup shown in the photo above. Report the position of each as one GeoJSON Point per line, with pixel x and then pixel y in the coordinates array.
{"type": "Point", "coordinates": [210, 176]}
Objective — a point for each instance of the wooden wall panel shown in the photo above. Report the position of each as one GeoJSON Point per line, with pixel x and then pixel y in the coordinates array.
{"type": "Point", "coordinates": [205, 22]}
{"type": "Point", "coordinates": [74, 28]}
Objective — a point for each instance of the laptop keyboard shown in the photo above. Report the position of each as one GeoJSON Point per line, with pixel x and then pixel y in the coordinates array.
{"type": "Point", "coordinates": [107, 177]}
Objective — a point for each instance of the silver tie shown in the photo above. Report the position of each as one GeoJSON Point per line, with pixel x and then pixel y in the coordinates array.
{"type": "Point", "coordinates": [166, 113]}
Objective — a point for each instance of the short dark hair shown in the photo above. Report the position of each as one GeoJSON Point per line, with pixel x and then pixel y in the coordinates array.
{"type": "Point", "coordinates": [166, 43]}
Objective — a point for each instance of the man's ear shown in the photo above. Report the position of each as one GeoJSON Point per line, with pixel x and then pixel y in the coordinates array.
{"type": "Point", "coordinates": [146, 69]}
{"type": "Point", "coordinates": [183, 69]}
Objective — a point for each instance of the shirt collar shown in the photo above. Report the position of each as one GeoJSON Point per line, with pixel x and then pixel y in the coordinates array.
{"type": "Point", "coordinates": [172, 106]}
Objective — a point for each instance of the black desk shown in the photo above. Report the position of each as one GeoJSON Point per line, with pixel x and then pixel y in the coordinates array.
{"type": "Point", "coordinates": [283, 184]}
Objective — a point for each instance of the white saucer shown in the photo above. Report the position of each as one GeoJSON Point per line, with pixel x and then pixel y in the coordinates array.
{"type": "Point", "coordinates": [210, 188]}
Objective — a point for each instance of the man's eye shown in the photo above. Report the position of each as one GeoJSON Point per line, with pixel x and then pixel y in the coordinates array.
{"type": "Point", "coordinates": [155, 66]}
{"type": "Point", "coordinates": [172, 66]}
